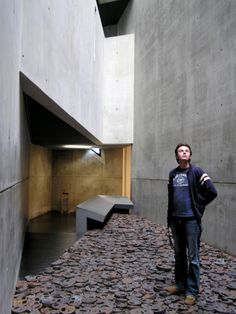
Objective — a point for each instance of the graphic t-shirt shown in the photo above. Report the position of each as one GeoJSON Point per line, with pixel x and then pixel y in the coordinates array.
{"type": "Point", "coordinates": [182, 198]}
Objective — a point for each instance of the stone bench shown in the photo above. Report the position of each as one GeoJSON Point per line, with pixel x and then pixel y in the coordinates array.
{"type": "Point", "coordinates": [98, 209]}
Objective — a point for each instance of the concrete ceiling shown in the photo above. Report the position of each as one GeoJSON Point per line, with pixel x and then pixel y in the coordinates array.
{"type": "Point", "coordinates": [46, 129]}
{"type": "Point", "coordinates": [49, 125]}
{"type": "Point", "coordinates": [111, 10]}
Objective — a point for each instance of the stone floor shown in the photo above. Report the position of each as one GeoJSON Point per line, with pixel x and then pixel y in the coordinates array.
{"type": "Point", "coordinates": [124, 268]}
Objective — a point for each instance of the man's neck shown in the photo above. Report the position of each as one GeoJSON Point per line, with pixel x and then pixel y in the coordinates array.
{"type": "Point", "coordinates": [184, 164]}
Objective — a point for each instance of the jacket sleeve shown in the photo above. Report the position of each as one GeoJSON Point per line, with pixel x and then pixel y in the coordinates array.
{"type": "Point", "coordinates": [170, 201]}
{"type": "Point", "coordinates": [208, 190]}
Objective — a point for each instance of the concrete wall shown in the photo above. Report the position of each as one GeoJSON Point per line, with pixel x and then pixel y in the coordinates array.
{"type": "Point", "coordinates": [40, 181]}
{"type": "Point", "coordinates": [185, 90]}
{"type": "Point", "coordinates": [62, 54]}
{"type": "Point", "coordinates": [14, 151]}
{"type": "Point", "coordinates": [81, 174]}
{"type": "Point", "coordinates": [118, 90]}
{"type": "Point", "coordinates": [58, 47]}
{"type": "Point", "coordinates": [66, 56]}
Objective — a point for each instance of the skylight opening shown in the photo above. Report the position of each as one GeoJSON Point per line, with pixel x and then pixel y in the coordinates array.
{"type": "Point", "coordinates": [96, 150]}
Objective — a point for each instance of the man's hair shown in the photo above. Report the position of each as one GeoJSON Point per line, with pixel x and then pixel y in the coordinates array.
{"type": "Point", "coordinates": [178, 146]}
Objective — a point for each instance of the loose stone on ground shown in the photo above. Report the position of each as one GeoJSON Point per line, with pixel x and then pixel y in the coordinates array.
{"type": "Point", "coordinates": [124, 268]}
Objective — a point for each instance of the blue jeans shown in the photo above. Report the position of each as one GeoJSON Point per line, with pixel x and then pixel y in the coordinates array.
{"type": "Point", "coordinates": [186, 234]}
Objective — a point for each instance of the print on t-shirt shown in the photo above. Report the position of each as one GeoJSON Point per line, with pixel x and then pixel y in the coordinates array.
{"type": "Point", "coordinates": [182, 198]}
{"type": "Point", "coordinates": [180, 180]}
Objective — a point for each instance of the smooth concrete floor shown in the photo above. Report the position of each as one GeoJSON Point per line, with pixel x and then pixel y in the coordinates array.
{"type": "Point", "coordinates": [46, 238]}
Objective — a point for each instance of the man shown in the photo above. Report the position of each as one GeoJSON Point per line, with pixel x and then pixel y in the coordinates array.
{"type": "Point", "coordinates": [190, 189]}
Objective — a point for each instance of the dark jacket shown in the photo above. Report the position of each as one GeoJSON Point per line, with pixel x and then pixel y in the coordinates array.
{"type": "Point", "coordinates": [202, 191]}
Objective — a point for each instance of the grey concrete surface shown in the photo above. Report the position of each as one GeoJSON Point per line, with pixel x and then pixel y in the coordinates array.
{"type": "Point", "coordinates": [13, 204]}
{"type": "Point", "coordinates": [98, 208]}
{"type": "Point", "coordinates": [58, 48]}
{"type": "Point", "coordinates": [118, 90]}
{"type": "Point", "coordinates": [85, 79]}
{"type": "Point", "coordinates": [64, 60]}
{"type": "Point", "coordinates": [13, 153]}
{"type": "Point", "coordinates": [185, 92]}
{"type": "Point", "coordinates": [148, 197]}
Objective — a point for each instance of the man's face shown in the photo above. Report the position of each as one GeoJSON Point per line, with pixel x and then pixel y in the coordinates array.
{"type": "Point", "coordinates": [183, 153]}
